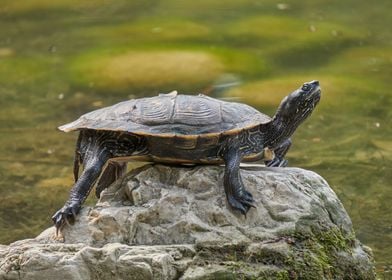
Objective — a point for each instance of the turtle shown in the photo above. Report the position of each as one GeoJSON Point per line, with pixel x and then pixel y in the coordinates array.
{"type": "Point", "coordinates": [182, 129]}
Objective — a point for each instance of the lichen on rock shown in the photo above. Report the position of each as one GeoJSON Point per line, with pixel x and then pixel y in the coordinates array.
{"type": "Point", "coordinates": [162, 222]}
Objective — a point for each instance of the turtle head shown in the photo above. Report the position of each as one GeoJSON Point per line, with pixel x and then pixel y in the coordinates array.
{"type": "Point", "coordinates": [299, 104]}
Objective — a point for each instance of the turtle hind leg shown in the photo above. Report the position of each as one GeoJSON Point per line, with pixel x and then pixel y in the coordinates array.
{"type": "Point", "coordinates": [237, 196]}
{"type": "Point", "coordinates": [80, 190]}
{"type": "Point", "coordinates": [112, 172]}
{"type": "Point", "coordinates": [95, 149]}
{"type": "Point", "coordinates": [94, 156]}
{"type": "Point", "coordinates": [280, 152]}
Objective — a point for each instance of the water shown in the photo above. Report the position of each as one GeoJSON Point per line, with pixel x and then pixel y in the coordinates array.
{"type": "Point", "coordinates": [59, 59]}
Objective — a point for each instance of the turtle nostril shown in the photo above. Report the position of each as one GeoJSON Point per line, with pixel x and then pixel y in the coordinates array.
{"type": "Point", "coordinates": [315, 82]}
{"type": "Point", "coordinates": [310, 85]}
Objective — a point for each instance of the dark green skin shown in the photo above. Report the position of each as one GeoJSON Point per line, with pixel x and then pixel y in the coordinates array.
{"type": "Point", "coordinates": [96, 149]}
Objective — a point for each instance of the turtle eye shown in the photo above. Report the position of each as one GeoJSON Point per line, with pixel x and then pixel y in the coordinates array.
{"type": "Point", "coordinates": [306, 87]}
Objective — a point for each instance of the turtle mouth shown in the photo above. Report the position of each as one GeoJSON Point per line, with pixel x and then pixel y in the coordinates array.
{"type": "Point", "coordinates": [315, 96]}
{"type": "Point", "coordinates": [312, 101]}
{"type": "Point", "coordinates": [313, 92]}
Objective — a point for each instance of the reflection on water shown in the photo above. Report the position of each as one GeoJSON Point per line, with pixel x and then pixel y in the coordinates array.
{"type": "Point", "coordinates": [59, 59]}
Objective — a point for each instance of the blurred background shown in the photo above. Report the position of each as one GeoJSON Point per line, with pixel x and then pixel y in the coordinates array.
{"type": "Point", "coordinates": [59, 59]}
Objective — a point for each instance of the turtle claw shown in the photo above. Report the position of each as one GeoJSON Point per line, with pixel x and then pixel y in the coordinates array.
{"type": "Point", "coordinates": [65, 215]}
{"type": "Point", "coordinates": [248, 203]}
{"type": "Point", "coordinates": [243, 203]}
{"type": "Point", "coordinates": [248, 195]}
{"type": "Point", "coordinates": [277, 162]}
{"type": "Point", "coordinates": [238, 205]}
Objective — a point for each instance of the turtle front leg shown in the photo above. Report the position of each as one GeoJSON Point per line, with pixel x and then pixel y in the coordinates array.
{"type": "Point", "coordinates": [280, 152]}
{"type": "Point", "coordinates": [94, 159]}
{"type": "Point", "coordinates": [237, 196]}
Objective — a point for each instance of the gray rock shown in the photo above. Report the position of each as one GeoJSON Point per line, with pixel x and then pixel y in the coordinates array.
{"type": "Point", "coordinates": [163, 222]}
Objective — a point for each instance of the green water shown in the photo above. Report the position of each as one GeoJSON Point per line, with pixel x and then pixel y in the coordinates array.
{"type": "Point", "coordinates": [59, 59]}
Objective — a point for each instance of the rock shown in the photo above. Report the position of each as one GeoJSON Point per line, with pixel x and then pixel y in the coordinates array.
{"type": "Point", "coordinates": [162, 222]}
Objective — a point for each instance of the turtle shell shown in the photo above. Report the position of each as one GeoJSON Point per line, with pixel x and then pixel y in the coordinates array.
{"type": "Point", "coordinates": [171, 114]}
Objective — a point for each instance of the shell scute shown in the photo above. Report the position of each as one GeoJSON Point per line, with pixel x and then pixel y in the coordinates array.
{"type": "Point", "coordinates": [200, 111]}
{"type": "Point", "coordinates": [153, 112]}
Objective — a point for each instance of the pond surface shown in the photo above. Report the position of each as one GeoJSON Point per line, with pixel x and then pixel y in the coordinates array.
{"type": "Point", "coordinates": [59, 59]}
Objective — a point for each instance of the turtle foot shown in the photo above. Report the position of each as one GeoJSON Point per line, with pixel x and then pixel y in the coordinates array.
{"type": "Point", "coordinates": [65, 215]}
{"type": "Point", "coordinates": [277, 162]}
{"type": "Point", "coordinates": [242, 202]}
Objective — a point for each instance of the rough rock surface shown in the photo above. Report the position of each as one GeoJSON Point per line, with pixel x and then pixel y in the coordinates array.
{"type": "Point", "coordinates": [163, 222]}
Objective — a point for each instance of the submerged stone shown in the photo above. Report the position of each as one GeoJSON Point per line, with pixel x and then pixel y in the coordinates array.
{"type": "Point", "coordinates": [162, 222]}
{"type": "Point", "coordinates": [147, 70]}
